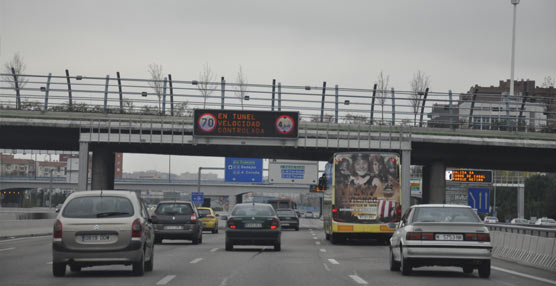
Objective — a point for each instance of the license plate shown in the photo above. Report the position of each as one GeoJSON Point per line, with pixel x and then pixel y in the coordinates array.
{"type": "Point", "coordinates": [286, 224]}
{"type": "Point", "coordinates": [368, 210]}
{"type": "Point", "coordinates": [448, 236]}
{"type": "Point", "coordinates": [253, 225]}
{"type": "Point", "coordinates": [366, 217]}
{"type": "Point", "coordinates": [95, 237]}
{"type": "Point", "coordinates": [173, 227]}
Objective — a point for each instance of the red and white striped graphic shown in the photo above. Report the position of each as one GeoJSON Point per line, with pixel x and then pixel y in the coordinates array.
{"type": "Point", "coordinates": [386, 208]}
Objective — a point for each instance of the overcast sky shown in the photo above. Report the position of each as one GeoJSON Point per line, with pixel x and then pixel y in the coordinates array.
{"type": "Point", "coordinates": [458, 43]}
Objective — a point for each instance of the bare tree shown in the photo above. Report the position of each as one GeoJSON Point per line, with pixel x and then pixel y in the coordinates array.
{"type": "Point", "coordinates": [548, 82]}
{"type": "Point", "coordinates": [206, 84]}
{"type": "Point", "coordinates": [241, 90]}
{"type": "Point", "coordinates": [19, 67]}
{"type": "Point", "coordinates": [382, 91]}
{"type": "Point", "coordinates": [419, 84]}
{"type": "Point", "coordinates": [155, 71]}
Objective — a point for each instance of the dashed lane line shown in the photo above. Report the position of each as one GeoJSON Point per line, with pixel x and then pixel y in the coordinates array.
{"type": "Point", "coordinates": [166, 279]}
{"type": "Point", "coordinates": [358, 280]}
{"type": "Point", "coordinates": [326, 267]}
{"type": "Point", "coordinates": [214, 249]}
{"type": "Point", "coordinates": [333, 261]}
{"type": "Point", "coordinates": [317, 242]}
{"type": "Point", "coordinates": [195, 260]}
{"type": "Point", "coordinates": [6, 249]}
{"type": "Point", "coordinates": [322, 250]}
{"type": "Point", "coordinates": [524, 275]}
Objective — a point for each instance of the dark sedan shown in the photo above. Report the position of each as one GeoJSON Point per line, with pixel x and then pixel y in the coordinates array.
{"type": "Point", "coordinates": [177, 220]}
{"type": "Point", "coordinates": [253, 224]}
{"type": "Point", "coordinates": [288, 218]}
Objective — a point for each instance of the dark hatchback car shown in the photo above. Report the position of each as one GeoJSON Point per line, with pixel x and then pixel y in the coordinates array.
{"type": "Point", "coordinates": [288, 218]}
{"type": "Point", "coordinates": [177, 220]}
{"type": "Point", "coordinates": [253, 224]}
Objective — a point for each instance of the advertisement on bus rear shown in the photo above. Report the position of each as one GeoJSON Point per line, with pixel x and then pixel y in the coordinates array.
{"type": "Point", "coordinates": [367, 187]}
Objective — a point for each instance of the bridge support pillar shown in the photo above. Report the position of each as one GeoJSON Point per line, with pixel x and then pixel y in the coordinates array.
{"type": "Point", "coordinates": [406, 175]}
{"type": "Point", "coordinates": [83, 166]}
{"type": "Point", "coordinates": [521, 202]}
{"type": "Point", "coordinates": [103, 169]}
{"type": "Point", "coordinates": [434, 183]}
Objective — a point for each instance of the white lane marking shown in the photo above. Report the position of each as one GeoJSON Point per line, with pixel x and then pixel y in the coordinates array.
{"type": "Point", "coordinates": [195, 260]}
{"type": "Point", "coordinates": [24, 238]}
{"type": "Point", "coordinates": [49, 263]}
{"type": "Point", "coordinates": [214, 249]}
{"type": "Point", "coordinates": [317, 242]}
{"type": "Point", "coordinates": [315, 237]}
{"type": "Point", "coordinates": [166, 279]}
{"type": "Point", "coordinates": [358, 280]}
{"type": "Point", "coordinates": [6, 249]}
{"type": "Point", "coordinates": [524, 275]}
{"type": "Point", "coordinates": [333, 261]}
{"type": "Point", "coordinates": [326, 267]}
{"type": "Point", "coordinates": [322, 250]}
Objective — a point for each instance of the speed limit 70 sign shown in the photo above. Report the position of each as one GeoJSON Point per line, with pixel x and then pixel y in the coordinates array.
{"type": "Point", "coordinates": [207, 122]}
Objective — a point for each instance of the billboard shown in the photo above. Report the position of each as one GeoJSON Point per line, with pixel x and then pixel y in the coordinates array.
{"type": "Point", "coordinates": [469, 176]}
{"type": "Point", "coordinates": [239, 123]}
{"type": "Point", "coordinates": [293, 172]}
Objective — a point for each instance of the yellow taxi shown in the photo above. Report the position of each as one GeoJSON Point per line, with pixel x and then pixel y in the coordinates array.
{"type": "Point", "coordinates": [209, 219]}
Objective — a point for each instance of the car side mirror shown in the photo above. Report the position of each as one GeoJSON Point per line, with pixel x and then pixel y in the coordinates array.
{"type": "Point", "coordinates": [57, 210]}
{"type": "Point", "coordinates": [217, 215]}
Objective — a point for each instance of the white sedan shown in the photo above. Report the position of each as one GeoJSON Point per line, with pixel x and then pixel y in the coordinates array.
{"type": "Point", "coordinates": [441, 235]}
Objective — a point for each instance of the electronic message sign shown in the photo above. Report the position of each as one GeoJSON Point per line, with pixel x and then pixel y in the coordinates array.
{"type": "Point", "coordinates": [239, 123]}
{"type": "Point", "coordinates": [469, 176]}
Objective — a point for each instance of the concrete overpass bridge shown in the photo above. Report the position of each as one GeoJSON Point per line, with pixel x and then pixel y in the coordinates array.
{"type": "Point", "coordinates": [76, 119]}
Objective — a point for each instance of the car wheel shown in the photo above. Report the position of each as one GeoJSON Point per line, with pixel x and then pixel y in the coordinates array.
{"type": "Point", "coordinates": [484, 269]}
{"type": "Point", "coordinates": [139, 266]}
{"type": "Point", "coordinates": [149, 265]}
{"type": "Point", "coordinates": [195, 240]}
{"type": "Point", "coordinates": [229, 246]}
{"type": "Point", "coordinates": [214, 230]}
{"type": "Point", "coordinates": [75, 268]}
{"type": "Point", "coordinates": [405, 265]}
{"type": "Point", "coordinates": [327, 236]}
{"type": "Point", "coordinates": [394, 265]}
{"type": "Point", "coordinates": [297, 228]}
{"type": "Point", "coordinates": [277, 246]}
{"type": "Point", "coordinates": [201, 238]}
{"type": "Point", "coordinates": [467, 269]}
{"type": "Point", "coordinates": [58, 269]}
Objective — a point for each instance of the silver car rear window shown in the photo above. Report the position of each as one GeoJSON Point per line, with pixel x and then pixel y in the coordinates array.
{"type": "Point", "coordinates": [96, 207]}
{"type": "Point", "coordinates": [174, 209]}
{"type": "Point", "coordinates": [440, 214]}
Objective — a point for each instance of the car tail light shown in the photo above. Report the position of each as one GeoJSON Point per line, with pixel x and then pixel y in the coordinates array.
{"type": "Point", "coordinates": [470, 237]}
{"type": "Point", "coordinates": [427, 236]}
{"type": "Point", "coordinates": [334, 210]}
{"type": "Point", "coordinates": [483, 237]}
{"type": "Point", "coordinates": [275, 224]}
{"type": "Point", "coordinates": [57, 232]}
{"type": "Point", "coordinates": [136, 228]}
{"type": "Point", "coordinates": [194, 217]}
{"type": "Point", "coordinates": [413, 236]}
{"type": "Point", "coordinates": [154, 214]}
{"type": "Point", "coordinates": [231, 224]}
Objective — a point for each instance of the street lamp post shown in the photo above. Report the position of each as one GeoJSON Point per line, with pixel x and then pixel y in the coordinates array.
{"type": "Point", "coordinates": [514, 2]}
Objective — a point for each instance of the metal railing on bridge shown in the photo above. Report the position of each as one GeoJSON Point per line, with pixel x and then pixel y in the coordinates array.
{"type": "Point", "coordinates": [528, 111]}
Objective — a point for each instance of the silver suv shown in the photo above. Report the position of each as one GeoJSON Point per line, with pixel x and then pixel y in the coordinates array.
{"type": "Point", "coordinates": [102, 228]}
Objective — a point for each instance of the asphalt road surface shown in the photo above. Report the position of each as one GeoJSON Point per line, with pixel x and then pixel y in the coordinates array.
{"type": "Point", "coordinates": [306, 259]}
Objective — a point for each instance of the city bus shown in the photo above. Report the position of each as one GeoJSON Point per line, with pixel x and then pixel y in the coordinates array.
{"type": "Point", "coordinates": [362, 196]}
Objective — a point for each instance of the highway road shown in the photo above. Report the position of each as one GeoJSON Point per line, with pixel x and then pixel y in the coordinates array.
{"type": "Point", "coordinates": [306, 259]}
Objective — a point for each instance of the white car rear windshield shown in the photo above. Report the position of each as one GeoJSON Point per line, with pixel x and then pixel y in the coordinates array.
{"type": "Point", "coordinates": [445, 214]}
{"type": "Point", "coordinates": [97, 207]}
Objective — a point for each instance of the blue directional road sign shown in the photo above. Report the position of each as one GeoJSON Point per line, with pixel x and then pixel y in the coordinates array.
{"type": "Point", "coordinates": [198, 198]}
{"type": "Point", "coordinates": [479, 198]}
{"type": "Point", "coordinates": [245, 170]}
